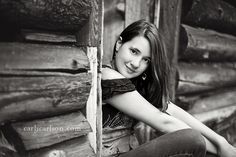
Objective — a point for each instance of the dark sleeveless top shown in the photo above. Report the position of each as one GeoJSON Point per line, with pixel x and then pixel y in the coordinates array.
{"type": "Point", "coordinates": [118, 135]}
{"type": "Point", "coordinates": [112, 117]}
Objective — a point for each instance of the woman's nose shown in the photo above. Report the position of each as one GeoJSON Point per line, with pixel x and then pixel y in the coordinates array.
{"type": "Point", "coordinates": [136, 63]}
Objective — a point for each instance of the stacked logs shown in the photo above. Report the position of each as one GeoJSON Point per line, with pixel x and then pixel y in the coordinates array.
{"type": "Point", "coordinates": [207, 64]}
{"type": "Point", "coordinates": [45, 78]}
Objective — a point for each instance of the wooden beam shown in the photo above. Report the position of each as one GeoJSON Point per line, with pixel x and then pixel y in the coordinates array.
{"type": "Point", "coordinates": [207, 101]}
{"type": "Point", "coordinates": [77, 147]}
{"type": "Point", "coordinates": [169, 26]}
{"type": "Point", "coordinates": [45, 132]}
{"type": "Point", "coordinates": [47, 36]}
{"type": "Point", "coordinates": [25, 97]}
{"type": "Point", "coordinates": [90, 34]}
{"type": "Point", "coordinates": [61, 15]}
{"type": "Point", "coordinates": [211, 14]}
{"type": "Point", "coordinates": [199, 77]}
{"type": "Point", "coordinates": [26, 56]}
{"type": "Point", "coordinates": [207, 45]}
{"type": "Point", "coordinates": [136, 10]}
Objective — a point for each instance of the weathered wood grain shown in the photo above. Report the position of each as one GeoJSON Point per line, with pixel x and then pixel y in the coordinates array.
{"type": "Point", "coordinates": [208, 45]}
{"type": "Point", "coordinates": [47, 36]}
{"type": "Point", "coordinates": [207, 101]}
{"type": "Point", "coordinates": [44, 132]}
{"type": "Point", "coordinates": [169, 26]}
{"type": "Point", "coordinates": [198, 77]}
{"type": "Point", "coordinates": [25, 97]}
{"type": "Point", "coordinates": [61, 15]}
{"type": "Point", "coordinates": [212, 14]}
{"type": "Point", "coordinates": [41, 56]}
{"type": "Point", "coordinates": [77, 147]}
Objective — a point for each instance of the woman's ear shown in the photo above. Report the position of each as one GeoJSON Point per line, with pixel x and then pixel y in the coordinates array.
{"type": "Point", "coordinates": [118, 44]}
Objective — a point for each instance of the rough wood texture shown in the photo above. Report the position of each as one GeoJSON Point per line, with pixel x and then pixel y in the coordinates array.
{"type": "Point", "coordinates": [77, 147]}
{"type": "Point", "coordinates": [213, 117]}
{"type": "Point", "coordinates": [48, 36]}
{"type": "Point", "coordinates": [195, 78]}
{"type": "Point", "coordinates": [169, 27]}
{"type": "Point", "coordinates": [212, 14]}
{"type": "Point", "coordinates": [208, 45]}
{"type": "Point", "coordinates": [61, 15]}
{"type": "Point", "coordinates": [41, 56]}
{"type": "Point", "coordinates": [137, 9]}
{"type": "Point", "coordinates": [207, 101]}
{"type": "Point", "coordinates": [113, 26]}
{"type": "Point", "coordinates": [48, 131]}
{"type": "Point", "coordinates": [90, 34]}
{"type": "Point", "coordinates": [26, 96]}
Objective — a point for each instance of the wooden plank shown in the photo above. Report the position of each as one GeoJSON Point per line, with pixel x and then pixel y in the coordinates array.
{"type": "Point", "coordinates": [207, 101]}
{"type": "Point", "coordinates": [195, 78]}
{"type": "Point", "coordinates": [48, 131]}
{"type": "Point", "coordinates": [136, 10]}
{"type": "Point", "coordinates": [113, 26]}
{"type": "Point", "coordinates": [25, 97]}
{"type": "Point", "coordinates": [208, 45]}
{"type": "Point", "coordinates": [39, 56]}
{"type": "Point", "coordinates": [47, 36]}
{"type": "Point", "coordinates": [90, 34]}
{"type": "Point", "coordinates": [77, 147]}
{"type": "Point", "coordinates": [169, 26]}
{"type": "Point", "coordinates": [217, 115]}
{"type": "Point", "coordinates": [211, 14]}
{"type": "Point", "coordinates": [62, 15]}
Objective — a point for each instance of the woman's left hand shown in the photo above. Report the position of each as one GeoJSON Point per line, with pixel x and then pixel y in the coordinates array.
{"type": "Point", "coordinates": [226, 150]}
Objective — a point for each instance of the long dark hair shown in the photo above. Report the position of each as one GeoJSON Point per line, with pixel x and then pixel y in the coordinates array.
{"type": "Point", "coordinates": [155, 87]}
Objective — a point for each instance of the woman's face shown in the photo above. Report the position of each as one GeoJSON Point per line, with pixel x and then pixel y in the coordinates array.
{"type": "Point", "coordinates": [133, 57]}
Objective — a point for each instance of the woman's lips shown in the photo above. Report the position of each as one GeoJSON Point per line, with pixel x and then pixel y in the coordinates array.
{"type": "Point", "coordinates": [130, 69]}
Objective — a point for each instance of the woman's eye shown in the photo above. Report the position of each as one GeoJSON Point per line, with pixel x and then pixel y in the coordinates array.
{"type": "Point", "coordinates": [133, 51]}
{"type": "Point", "coordinates": [146, 60]}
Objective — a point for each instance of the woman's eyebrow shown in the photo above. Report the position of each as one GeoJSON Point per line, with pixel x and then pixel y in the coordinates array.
{"type": "Point", "coordinates": [136, 49]}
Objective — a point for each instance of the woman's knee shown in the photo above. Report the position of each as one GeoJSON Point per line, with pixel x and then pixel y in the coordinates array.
{"type": "Point", "coordinates": [194, 138]}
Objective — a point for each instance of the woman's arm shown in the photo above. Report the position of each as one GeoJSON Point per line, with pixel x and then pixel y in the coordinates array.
{"type": "Point", "coordinates": [220, 146]}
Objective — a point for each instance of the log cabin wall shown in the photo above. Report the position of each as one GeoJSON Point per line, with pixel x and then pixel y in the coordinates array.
{"type": "Point", "coordinates": [207, 64]}
{"type": "Point", "coordinates": [50, 52]}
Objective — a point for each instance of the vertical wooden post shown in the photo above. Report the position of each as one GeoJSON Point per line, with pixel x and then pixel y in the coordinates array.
{"type": "Point", "coordinates": [169, 25]}
{"type": "Point", "coordinates": [91, 108]}
{"type": "Point", "coordinates": [136, 10]}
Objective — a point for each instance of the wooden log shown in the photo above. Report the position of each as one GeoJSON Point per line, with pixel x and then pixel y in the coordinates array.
{"type": "Point", "coordinates": [208, 45]}
{"type": "Point", "coordinates": [169, 28]}
{"type": "Point", "coordinates": [205, 102]}
{"type": "Point", "coordinates": [40, 56]}
{"type": "Point", "coordinates": [113, 26]}
{"type": "Point", "coordinates": [26, 96]}
{"type": "Point", "coordinates": [46, 36]}
{"type": "Point", "coordinates": [77, 147]}
{"type": "Point", "coordinates": [62, 15]}
{"type": "Point", "coordinates": [215, 116]}
{"type": "Point", "coordinates": [48, 131]}
{"type": "Point", "coordinates": [195, 78]}
{"type": "Point", "coordinates": [91, 33]}
{"type": "Point", "coordinates": [212, 14]}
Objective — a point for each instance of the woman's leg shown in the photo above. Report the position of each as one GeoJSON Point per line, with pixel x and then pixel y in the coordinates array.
{"type": "Point", "coordinates": [182, 143]}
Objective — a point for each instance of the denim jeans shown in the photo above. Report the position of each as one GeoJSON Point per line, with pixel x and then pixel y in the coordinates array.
{"type": "Point", "coordinates": [182, 143]}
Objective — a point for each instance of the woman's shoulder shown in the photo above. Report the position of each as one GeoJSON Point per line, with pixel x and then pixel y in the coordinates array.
{"type": "Point", "coordinates": [110, 74]}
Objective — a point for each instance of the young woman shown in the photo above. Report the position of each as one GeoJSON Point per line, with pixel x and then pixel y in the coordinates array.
{"type": "Point", "coordinates": [134, 86]}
